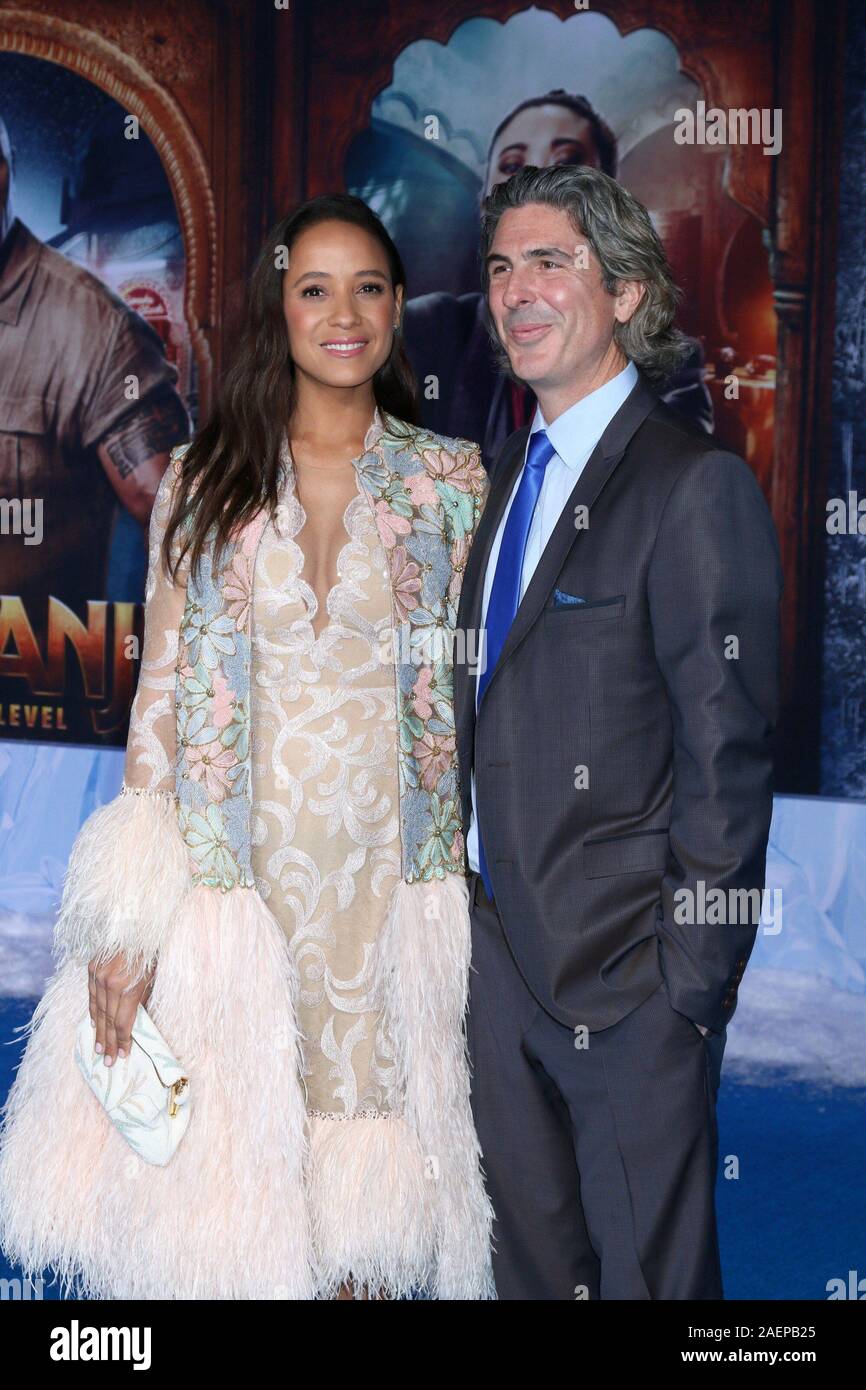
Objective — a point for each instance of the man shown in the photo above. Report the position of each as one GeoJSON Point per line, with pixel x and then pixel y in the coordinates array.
{"type": "Point", "coordinates": [615, 759]}
{"type": "Point", "coordinates": [89, 411]}
{"type": "Point", "coordinates": [448, 336]}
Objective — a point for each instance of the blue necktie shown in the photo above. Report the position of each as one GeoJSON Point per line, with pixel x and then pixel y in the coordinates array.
{"type": "Point", "coordinates": [505, 590]}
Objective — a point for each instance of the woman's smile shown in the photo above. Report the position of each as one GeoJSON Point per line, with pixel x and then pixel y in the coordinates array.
{"type": "Point", "coordinates": [339, 347]}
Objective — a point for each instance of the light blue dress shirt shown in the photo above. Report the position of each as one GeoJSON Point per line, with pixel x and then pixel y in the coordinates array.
{"type": "Point", "coordinates": [573, 434]}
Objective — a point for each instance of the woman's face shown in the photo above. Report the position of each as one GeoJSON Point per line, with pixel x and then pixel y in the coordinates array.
{"type": "Point", "coordinates": [339, 304]}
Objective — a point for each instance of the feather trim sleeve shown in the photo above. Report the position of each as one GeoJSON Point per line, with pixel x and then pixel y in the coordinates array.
{"type": "Point", "coordinates": [128, 868]}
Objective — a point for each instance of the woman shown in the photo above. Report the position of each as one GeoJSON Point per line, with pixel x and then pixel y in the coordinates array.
{"type": "Point", "coordinates": [281, 879]}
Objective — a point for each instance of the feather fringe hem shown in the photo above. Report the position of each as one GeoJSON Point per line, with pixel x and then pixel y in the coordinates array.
{"type": "Point", "coordinates": [424, 959]}
{"type": "Point", "coordinates": [370, 1207]}
{"type": "Point", "coordinates": [227, 1217]}
{"type": "Point", "coordinates": [259, 1201]}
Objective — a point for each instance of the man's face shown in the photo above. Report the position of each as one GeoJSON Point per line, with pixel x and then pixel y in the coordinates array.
{"type": "Point", "coordinates": [541, 135]}
{"type": "Point", "coordinates": [547, 300]}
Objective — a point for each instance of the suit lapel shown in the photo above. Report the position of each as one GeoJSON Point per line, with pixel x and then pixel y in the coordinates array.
{"type": "Point", "coordinates": [508, 465]}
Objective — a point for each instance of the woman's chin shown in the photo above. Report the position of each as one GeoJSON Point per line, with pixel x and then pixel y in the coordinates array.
{"type": "Point", "coordinates": [355, 371]}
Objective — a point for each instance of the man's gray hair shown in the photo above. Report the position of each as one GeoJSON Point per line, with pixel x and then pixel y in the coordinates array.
{"type": "Point", "coordinates": [627, 246]}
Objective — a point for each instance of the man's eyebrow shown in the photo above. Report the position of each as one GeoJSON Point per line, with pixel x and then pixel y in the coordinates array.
{"type": "Point", "coordinates": [536, 253]}
{"type": "Point", "coordinates": [542, 252]}
{"type": "Point", "coordinates": [326, 275]}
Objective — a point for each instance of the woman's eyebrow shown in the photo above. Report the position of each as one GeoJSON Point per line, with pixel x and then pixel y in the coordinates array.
{"type": "Point", "coordinates": [326, 274]}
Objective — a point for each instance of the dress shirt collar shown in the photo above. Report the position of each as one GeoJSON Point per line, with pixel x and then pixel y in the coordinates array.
{"type": "Point", "coordinates": [586, 421]}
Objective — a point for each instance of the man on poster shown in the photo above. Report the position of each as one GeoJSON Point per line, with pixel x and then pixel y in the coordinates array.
{"type": "Point", "coordinates": [615, 754]}
{"type": "Point", "coordinates": [89, 411]}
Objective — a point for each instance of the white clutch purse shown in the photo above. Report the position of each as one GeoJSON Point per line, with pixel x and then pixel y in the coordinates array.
{"type": "Point", "coordinates": [146, 1094]}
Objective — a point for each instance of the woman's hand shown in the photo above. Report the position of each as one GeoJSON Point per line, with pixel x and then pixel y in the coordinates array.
{"type": "Point", "coordinates": [113, 1005]}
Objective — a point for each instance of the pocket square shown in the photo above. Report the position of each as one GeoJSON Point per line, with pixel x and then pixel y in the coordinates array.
{"type": "Point", "coordinates": [563, 600]}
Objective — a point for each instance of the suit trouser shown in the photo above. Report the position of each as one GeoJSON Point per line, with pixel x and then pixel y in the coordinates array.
{"type": "Point", "coordinates": [601, 1159]}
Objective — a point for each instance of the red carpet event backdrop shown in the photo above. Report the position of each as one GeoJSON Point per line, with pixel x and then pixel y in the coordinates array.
{"type": "Point", "coordinates": [153, 143]}
{"type": "Point", "coordinates": [146, 148]}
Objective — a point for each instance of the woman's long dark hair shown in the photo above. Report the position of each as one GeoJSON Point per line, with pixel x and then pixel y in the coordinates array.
{"type": "Point", "coordinates": [231, 469]}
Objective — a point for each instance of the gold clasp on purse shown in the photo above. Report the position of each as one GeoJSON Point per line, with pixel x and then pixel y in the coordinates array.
{"type": "Point", "coordinates": [174, 1091]}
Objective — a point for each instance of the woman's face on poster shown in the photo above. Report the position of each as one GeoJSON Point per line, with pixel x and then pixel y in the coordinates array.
{"type": "Point", "coordinates": [541, 135]}
{"type": "Point", "coordinates": [339, 304]}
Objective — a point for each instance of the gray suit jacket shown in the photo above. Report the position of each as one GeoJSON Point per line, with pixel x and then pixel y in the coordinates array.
{"type": "Point", "coordinates": [663, 685]}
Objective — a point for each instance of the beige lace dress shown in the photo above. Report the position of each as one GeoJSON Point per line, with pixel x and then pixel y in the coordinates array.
{"type": "Point", "coordinates": [326, 833]}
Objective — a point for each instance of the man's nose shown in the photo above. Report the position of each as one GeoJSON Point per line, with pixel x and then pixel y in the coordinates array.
{"type": "Point", "coordinates": [518, 291]}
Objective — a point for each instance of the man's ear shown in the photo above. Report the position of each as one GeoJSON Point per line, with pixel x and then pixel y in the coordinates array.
{"type": "Point", "coordinates": [628, 295]}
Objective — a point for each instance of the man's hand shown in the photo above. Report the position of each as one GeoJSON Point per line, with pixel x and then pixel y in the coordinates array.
{"type": "Point", "coordinates": [114, 1004]}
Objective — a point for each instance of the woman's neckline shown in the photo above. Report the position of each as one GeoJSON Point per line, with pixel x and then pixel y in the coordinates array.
{"type": "Point", "coordinates": [375, 429]}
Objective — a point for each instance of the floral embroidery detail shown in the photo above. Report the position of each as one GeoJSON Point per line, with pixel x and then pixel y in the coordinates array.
{"type": "Point", "coordinates": [390, 525]}
{"type": "Point", "coordinates": [237, 733]}
{"type": "Point", "coordinates": [459, 507]}
{"type": "Point", "coordinates": [211, 766]}
{"type": "Point", "coordinates": [208, 843]}
{"type": "Point", "coordinates": [239, 584]}
{"type": "Point", "coordinates": [197, 689]}
{"type": "Point", "coordinates": [437, 852]}
{"type": "Point", "coordinates": [405, 580]}
{"type": "Point", "coordinates": [421, 489]}
{"type": "Point", "coordinates": [452, 468]}
{"type": "Point", "coordinates": [458, 555]}
{"type": "Point", "coordinates": [434, 691]}
{"type": "Point", "coordinates": [411, 731]}
{"type": "Point", "coordinates": [433, 753]}
{"type": "Point", "coordinates": [442, 690]}
{"type": "Point", "coordinates": [223, 704]}
{"type": "Point", "coordinates": [208, 638]}
{"type": "Point", "coordinates": [206, 760]}
{"type": "Point", "coordinates": [376, 475]}
{"type": "Point", "coordinates": [431, 634]}
{"type": "Point", "coordinates": [421, 694]}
